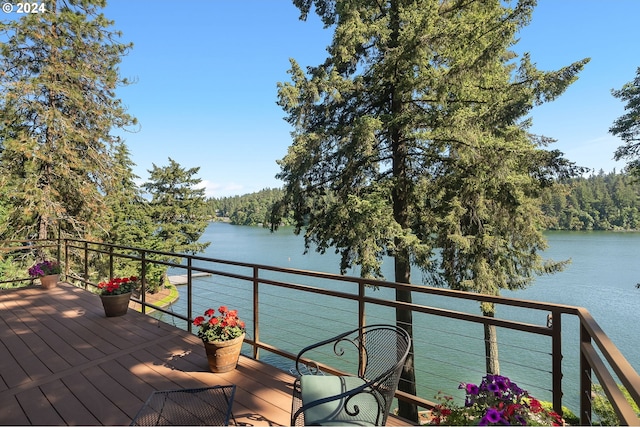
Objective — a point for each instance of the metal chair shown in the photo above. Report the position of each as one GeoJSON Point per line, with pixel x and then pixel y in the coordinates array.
{"type": "Point", "coordinates": [361, 399]}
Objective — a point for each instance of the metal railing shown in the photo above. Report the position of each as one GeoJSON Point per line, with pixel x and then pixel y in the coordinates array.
{"type": "Point", "coordinates": [286, 309]}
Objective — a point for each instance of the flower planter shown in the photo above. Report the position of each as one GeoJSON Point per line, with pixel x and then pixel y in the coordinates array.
{"type": "Point", "coordinates": [115, 305]}
{"type": "Point", "coordinates": [49, 281]}
{"type": "Point", "coordinates": [223, 355]}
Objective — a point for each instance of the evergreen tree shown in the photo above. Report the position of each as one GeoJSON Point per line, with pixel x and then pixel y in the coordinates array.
{"type": "Point", "coordinates": [178, 215]}
{"type": "Point", "coordinates": [177, 208]}
{"type": "Point", "coordinates": [409, 137]}
{"type": "Point", "coordinates": [248, 209]}
{"type": "Point", "coordinates": [627, 126]}
{"type": "Point", "coordinates": [59, 72]}
{"type": "Point", "coordinates": [130, 223]}
{"type": "Point", "coordinates": [599, 202]}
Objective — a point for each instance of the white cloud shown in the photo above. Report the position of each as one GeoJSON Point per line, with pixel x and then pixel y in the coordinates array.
{"type": "Point", "coordinates": [215, 189]}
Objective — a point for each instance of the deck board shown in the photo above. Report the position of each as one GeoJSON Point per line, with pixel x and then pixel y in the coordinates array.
{"type": "Point", "coordinates": [65, 363]}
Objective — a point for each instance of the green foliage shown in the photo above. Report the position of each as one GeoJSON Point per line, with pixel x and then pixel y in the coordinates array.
{"type": "Point", "coordinates": [57, 111]}
{"type": "Point", "coordinates": [178, 215]}
{"type": "Point", "coordinates": [599, 202]}
{"type": "Point", "coordinates": [603, 409]}
{"type": "Point", "coordinates": [568, 415]}
{"type": "Point", "coordinates": [627, 126]}
{"type": "Point", "coordinates": [10, 270]}
{"type": "Point", "coordinates": [248, 209]}
{"type": "Point", "coordinates": [129, 223]}
{"type": "Point", "coordinates": [412, 137]}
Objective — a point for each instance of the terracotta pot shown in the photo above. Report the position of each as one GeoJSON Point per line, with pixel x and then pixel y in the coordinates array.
{"type": "Point", "coordinates": [223, 355]}
{"type": "Point", "coordinates": [49, 281]}
{"type": "Point", "coordinates": [115, 305]}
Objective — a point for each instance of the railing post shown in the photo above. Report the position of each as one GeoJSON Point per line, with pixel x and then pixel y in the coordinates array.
{"type": "Point", "coordinates": [189, 295]}
{"type": "Point", "coordinates": [585, 379]}
{"type": "Point", "coordinates": [86, 263]}
{"type": "Point", "coordinates": [66, 259]}
{"type": "Point", "coordinates": [110, 262]}
{"type": "Point", "coordinates": [59, 243]}
{"type": "Point", "coordinates": [143, 281]}
{"type": "Point", "coordinates": [556, 359]}
{"type": "Point", "coordinates": [256, 313]}
{"type": "Point", "coordinates": [361, 323]}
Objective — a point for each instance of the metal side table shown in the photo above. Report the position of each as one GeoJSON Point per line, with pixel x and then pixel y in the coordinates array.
{"type": "Point", "coordinates": [188, 407]}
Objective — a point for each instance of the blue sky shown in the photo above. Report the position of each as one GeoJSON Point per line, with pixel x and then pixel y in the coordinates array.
{"type": "Point", "coordinates": [206, 72]}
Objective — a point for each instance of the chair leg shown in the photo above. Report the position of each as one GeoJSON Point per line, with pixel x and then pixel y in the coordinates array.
{"type": "Point", "coordinates": [296, 404]}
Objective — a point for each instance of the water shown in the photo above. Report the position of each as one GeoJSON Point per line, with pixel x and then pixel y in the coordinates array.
{"type": "Point", "coordinates": [601, 277]}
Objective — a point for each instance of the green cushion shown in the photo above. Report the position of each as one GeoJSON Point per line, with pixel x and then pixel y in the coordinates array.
{"type": "Point", "coordinates": [314, 387]}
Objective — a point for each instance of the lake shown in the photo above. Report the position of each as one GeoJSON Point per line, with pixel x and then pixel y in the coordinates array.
{"type": "Point", "coordinates": [602, 275]}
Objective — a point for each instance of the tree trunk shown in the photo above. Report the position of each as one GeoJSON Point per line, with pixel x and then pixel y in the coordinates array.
{"type": "Point", "coordinates": [404, 319]}
{"type": "Point", "coordinates": [400, 200]}
{"type": "Point", "coordinates": [402, 266]}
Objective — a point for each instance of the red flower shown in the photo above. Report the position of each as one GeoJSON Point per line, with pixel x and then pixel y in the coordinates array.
{"type": "Point", "coordinates": [535, 405]}
{"type": "Point", "coordinates": [510, 410]}
{"type": "Point", "coordinates": [118, 285]}
{"type": "Point", "coordinates": [223, 327]}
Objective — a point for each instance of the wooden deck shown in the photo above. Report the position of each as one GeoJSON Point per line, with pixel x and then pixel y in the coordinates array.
{"type": "Point", "coordinates": [62, 362]}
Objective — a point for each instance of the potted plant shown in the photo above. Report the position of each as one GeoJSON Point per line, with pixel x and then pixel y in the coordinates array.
{"type": "Point", "coordinates": [115, 295]}
{"type": "Point", "coordinates": [496, 401]}
{"type": "Point", "coordinates": [222, 336]}
{"type": "Point", "coordinates": [48, 272]}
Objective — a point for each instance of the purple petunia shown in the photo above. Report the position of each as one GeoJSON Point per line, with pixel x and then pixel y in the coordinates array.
{"type": "Point", "coordinates": [502, 383]}
{"type": "Point", "coordinates": [491, 417]}
{"type": "Point", "coordinates": [495, 401]}
{"type": "Point", "coordinates": [44, 268]}
{"type": "Point", "coordinates": [472, 389]}
{"type": "Point", "coordinates": [493, 388]}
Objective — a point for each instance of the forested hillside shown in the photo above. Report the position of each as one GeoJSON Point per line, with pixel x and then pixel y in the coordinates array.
{"type": "Point", "coordinates": [599, 202]}
{"type": "Point", "coordinates": [248, 209]}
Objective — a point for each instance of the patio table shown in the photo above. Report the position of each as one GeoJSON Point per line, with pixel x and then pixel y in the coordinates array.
{"type": "Point", "coordinates": [195, 406]}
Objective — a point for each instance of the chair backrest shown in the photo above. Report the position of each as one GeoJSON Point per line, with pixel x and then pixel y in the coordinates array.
{"type": "Point", "coordinates": [381, 351]}
{"type": "Point", "coordinates": [384, 351]}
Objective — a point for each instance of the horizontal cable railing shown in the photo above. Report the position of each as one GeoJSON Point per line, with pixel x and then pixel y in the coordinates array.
{"type": "Point", "coordinates": [287, 309]}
